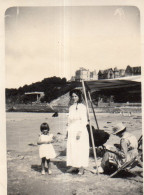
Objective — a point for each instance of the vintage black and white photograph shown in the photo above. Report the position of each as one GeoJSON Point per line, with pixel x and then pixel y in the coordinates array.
{"type": "Point", "coordinates": [73, 75]}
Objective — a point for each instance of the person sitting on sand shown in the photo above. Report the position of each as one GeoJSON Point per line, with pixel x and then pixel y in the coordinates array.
{"type": "Point", "coordinates": [114, 158]}
{"type": "Point", "coordinates": [46, 150]}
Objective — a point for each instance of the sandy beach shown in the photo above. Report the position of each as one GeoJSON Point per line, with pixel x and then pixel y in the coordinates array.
{"type": "Point", "coordinates": [23, 162]}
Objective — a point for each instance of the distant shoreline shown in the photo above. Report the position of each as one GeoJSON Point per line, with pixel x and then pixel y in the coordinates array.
{"type": "Point", "coordinates": [64, 109]}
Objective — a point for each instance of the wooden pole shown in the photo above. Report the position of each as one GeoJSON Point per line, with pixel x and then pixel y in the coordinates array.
{"type": "Point", "coordinates": [93, 109]}
{"type": "Point", "coordinates": [93, 145]}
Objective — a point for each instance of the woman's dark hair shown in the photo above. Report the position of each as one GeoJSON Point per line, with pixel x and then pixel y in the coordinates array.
{"type": "Point", "coordinates": [44, 126]}
{"type": "Point", "coordinates": [78, 93]}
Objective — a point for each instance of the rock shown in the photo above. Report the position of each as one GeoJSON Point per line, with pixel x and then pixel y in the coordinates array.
{"type": "Point", "coordinates": [59, 133]}
{"type": "Point", "coordinates": [55, 114]}
{"type": "Point", "coordinates": [31, 144]}
{"type": "Point", "coordinates": [20, 157]}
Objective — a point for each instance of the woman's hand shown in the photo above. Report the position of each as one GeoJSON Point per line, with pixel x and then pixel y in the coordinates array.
{"type": "Point", "coordinates": [78, 135]}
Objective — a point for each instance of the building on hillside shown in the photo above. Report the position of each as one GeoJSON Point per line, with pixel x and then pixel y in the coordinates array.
{"type": "Point", "coordinates": [119, 73]}
{"type": "Point", "coordinates": [93, 75]}
{"type": "Point", "coordinates": [34, 96]}
{"type": "Point", "coordinates": [137, 70]}
{"type": "Point", "coordinates": [130, 71]}
{"type": "Point", "coordinates": [106, 74]}
{"type": "Point", "coordinates": [72, 78]}
{"type": "Point", "coordinates": [101, 74]}
{"type": "Point", "coordinates": [122, 72]}
{"type": "Point", "coordinates": [111, 73]}
{"type": "Point", "coordinates": [116, 73]}
{"type": "Point", "coordinates": [84, 74]}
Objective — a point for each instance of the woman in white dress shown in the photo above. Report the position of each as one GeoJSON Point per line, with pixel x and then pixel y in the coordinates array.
{"type": "Point", "coordinates": [78, 139]}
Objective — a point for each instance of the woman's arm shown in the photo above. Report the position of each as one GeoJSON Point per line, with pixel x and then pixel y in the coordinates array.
{"type": "Point", "coordinates": [83, 115]}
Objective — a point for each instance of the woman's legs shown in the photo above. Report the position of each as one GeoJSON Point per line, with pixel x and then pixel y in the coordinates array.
{"type": "Point", "coordinates": [43, 165]}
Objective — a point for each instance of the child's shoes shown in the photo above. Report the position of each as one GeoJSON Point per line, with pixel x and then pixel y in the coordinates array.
{"type": "Point", "coordinates": [43, 172]}
{"type": "Point", "coordinates": [49, 172]}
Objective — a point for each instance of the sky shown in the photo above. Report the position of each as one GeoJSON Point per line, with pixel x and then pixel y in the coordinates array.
{"type": "Point", "coordinates": [42, 42]}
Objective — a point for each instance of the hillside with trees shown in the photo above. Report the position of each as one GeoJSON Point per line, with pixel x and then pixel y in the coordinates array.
{"type": "Point", "coordinates": [56, 97]}
{"type": "Point", "coordinates": [52, 87]}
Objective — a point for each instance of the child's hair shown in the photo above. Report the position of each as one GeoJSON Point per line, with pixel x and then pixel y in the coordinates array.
{"type": "Point", "coordinates": [44, 126]}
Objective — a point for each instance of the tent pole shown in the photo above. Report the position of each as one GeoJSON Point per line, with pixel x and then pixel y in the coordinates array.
{"type": "Point", "coordinates": [93, 145]}
{"type": "Point", "coordinates": [93, 109]}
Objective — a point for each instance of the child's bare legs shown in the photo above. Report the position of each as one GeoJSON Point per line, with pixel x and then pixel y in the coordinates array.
{"type": "Point", "coordinates": [43, 165]}
{"type": "Point", "coordinates": [49, 166]}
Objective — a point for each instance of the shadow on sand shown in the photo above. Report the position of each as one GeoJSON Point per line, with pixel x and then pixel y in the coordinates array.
{"type": "Point", "coordinates": [61, 165]}
{"type": "Point", "coordinates": [36, 168]}
{"type": "Point", "coordinates": [128, 174]}
{"type": "Point", "coordinates": [62, 153]}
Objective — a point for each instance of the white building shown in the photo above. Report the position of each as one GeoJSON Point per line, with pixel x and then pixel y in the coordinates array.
{"type": "Point", "coordinates": [35, 96]}
{"type": "Point", "coordinates": [84, 74]}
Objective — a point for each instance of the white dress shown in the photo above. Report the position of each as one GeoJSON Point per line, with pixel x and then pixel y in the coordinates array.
{"type": "Point", "coordinates": [46, 150]}
{"type": "Point", "coordinates": [77, 150]}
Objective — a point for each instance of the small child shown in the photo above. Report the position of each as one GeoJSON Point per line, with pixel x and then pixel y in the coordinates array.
{"type": "Point", "coordinates": [46, 150]}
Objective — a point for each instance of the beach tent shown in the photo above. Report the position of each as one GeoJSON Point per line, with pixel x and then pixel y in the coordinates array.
{"type": "Point", "coordinates": [133, 82]}
{"type": "Point", "coordinates": [129, 83]}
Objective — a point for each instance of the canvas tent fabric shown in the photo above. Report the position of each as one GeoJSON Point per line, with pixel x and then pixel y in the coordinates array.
{"type": "Point", "coordinates": [104, 84]}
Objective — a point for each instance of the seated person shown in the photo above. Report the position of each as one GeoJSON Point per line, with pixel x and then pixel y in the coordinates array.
{"type": "Point", "coordinates": [114, 157]}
